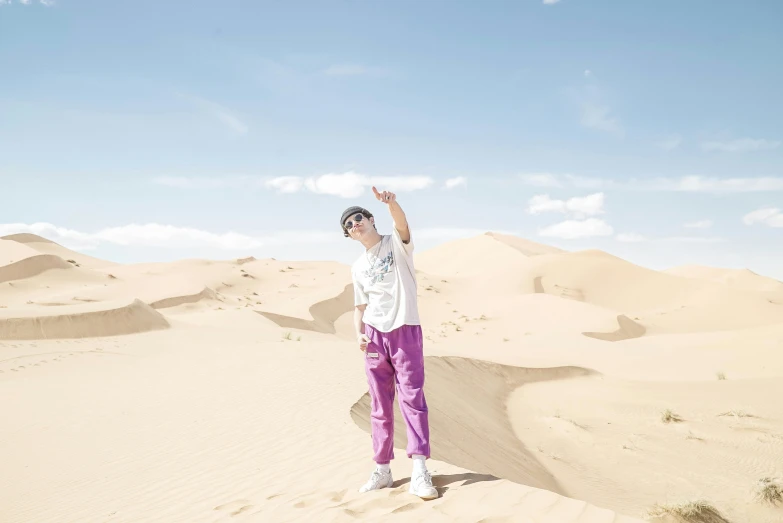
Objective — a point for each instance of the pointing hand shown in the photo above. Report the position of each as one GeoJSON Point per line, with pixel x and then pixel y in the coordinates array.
{"type": "Point", "coordinates": [385, 196]}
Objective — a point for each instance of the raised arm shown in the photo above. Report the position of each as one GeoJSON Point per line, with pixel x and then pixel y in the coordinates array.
{"type": "Point", "coordinates": [397, 214]}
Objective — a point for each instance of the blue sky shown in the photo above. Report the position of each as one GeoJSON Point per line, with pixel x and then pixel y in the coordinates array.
{"type": "Point", "coordinates": [152, 130]}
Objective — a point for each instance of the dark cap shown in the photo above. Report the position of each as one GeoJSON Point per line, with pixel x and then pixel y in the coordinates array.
{"type": "Point", "coordinates": [350, 211]}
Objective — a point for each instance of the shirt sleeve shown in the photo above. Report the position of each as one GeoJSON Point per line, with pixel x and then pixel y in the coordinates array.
{"type": "Point", "coordinates": [407, 248]}
{"type": "Point", "coordinates": [359, 296]}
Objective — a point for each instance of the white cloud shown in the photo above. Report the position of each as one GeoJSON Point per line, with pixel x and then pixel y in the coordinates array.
{"type": "Point", "coordinates": [630, 237]}
{"type": "Point", "coordinates": [550, 2]}
{"type": "Point", "coordinates": [588, 73]}
{"type": "Point", "coordinates": [25, 2]}
{"type": "Point", "coordinates": [683, 184]}
{"type": "Point", "coordinates": [705, 184]}
{"type": "Point", "coordinates": [451, 183]}
{"type": "Point", "coordinates": [670, 142]}
{"type": "Point", "coordinates": [5, 2]}
{"type": "Point", "coordinates": [637, 238]}
{"type": "Point", "coordinates": [598, 116]}
{"type": "Point", "coordinates": [769, 216]}
{"type": "Point", "coordinates": [285, 184]}
{"type": "Point", "coordinates": [700, 224]}
{"type": "Point", "coordinates": [355, 70]}
{"type": "Point", "coordinates": [219, 112]}
{"type": "Point", "coordinates": [579, 206]}
{"type": "Point", "coordinates": [741, 145]}
{"type": "Point", "coordinates": [344, 185]}
{"type": "Point", "coordinates": [691, 239]}
{"type": "Point", "coordinates": [574, 229]}
{"type": "Point", "coordinates": [352, 185]}
{"type": "Point", "coordinates": [157, 235]}
{"type": "Point", "coordinates": [47, 2]}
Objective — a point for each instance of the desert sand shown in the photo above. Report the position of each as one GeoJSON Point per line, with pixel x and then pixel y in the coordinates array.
{"type": "Point", "coordinates": [563, 387]}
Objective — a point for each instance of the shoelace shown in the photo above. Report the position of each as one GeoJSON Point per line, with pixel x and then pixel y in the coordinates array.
{"type": "Point", "coordinates": [376, 476]}
{"type": "Point", "coordinates": [425, 477]}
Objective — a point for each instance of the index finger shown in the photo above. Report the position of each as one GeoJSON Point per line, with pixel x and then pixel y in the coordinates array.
{"type": "Point", "coordinates": [375, 191]}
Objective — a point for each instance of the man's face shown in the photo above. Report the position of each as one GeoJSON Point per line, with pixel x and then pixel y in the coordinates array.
{"type": "Point", "coordinates": [358, 225]}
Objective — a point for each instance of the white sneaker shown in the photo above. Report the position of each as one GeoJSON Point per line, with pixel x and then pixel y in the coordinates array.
{"type": "Point", "coordinates": [421, 485]}
{"type": "Point", "coordinates": [378, 480]}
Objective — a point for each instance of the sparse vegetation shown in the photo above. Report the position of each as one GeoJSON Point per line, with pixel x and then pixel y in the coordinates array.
{"type": "Point", "coordinates": [667, 416]}
{"type": "Point", "coordinates": [505, 339]}
{"type": "Point", "coordinates": [737, 413]}
{"type": "Point", "coordinates": [112, 277]}
{"type": "Point", "coordinates": [721, 375]}
{"type": "Point", "coordinates": [287, 336]}
{"type": "Point", "coordinates": [768, 490]}
{"type": "Point", "coordinates": [698, 511]}
{"type": "Point", "coordinates": [298, 338]}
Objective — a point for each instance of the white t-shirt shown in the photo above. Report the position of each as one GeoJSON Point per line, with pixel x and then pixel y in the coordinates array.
{"type": "Point", "coordinates": [384, 279]}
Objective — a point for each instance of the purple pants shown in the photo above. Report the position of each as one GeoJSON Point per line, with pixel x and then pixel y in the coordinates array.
{"type": "Point", "coordinates": [397, 358]}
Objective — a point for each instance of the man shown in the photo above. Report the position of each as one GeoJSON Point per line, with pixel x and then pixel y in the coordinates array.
{"type": "Point", "coordinates": [388, 331]}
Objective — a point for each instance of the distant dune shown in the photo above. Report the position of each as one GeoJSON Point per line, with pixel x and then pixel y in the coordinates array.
{"type": "Point", "coordinates": [32, 266]}
{"type": "Point", "coordinates": [45, 246]}
{"type": "Point", "coordinates": [744, 279]}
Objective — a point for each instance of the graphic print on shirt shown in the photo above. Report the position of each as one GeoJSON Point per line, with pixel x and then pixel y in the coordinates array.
{"type": "Point", "coordinates": [379, 269]}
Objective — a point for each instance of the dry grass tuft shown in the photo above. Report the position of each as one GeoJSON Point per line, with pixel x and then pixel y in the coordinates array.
{"type": "Point", "coordinates": [667, 416]}
{"type": "Point", "coordinates": [768, 490]}
{"type": "Point", "coordinates": [698, 511]}
{"type": "Point", "coordinates": [721, 375]}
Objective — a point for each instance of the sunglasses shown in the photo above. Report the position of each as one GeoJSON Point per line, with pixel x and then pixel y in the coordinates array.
{"type": "Point", "coordinates": [349, 224]}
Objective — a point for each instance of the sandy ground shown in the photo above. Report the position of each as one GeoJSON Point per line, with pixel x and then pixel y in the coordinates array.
{"type": "Point", "coordinates": [563, 387]}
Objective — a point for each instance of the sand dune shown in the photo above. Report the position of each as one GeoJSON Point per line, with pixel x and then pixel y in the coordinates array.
{"type": "Point", "coordinates": [661, 302]}
{"type": "Point", "coordinates": [76, 321]}
{"type": "Point", "coordinates": [628, 329]}
{"type": "Point", "coordinates": [737, 429]}
{"type": "Point", "coordinates": [324, 313]}
{"type": "Point", "coordinates": [526, 247]}
{"type": "Point", "coordinates": [175, 301]}
{"type": "Point", "coordinates": [474, 432]}
{"type": "Point", "coordinates": [32, 266]}
{"type": "Point", "coordinates": [744, 279]}
{"type": "Point", "coordinates": [232, 390]}
{"type": "Point", "coordinates": [44, 246]}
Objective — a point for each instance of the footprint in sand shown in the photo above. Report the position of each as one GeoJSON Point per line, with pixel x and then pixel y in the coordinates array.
{"type": "Point", "coordinates": [235, 508]}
